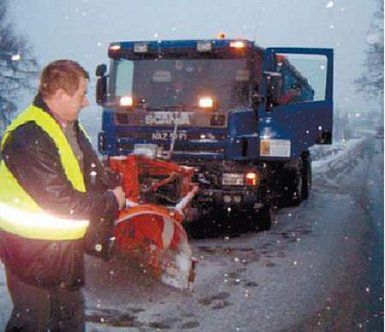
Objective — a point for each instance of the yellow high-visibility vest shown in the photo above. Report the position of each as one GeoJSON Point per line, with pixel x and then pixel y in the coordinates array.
{"type": "Point", "coordinates": [19, 213]}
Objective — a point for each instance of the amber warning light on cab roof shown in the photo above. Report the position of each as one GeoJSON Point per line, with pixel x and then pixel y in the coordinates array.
{"type": "Point", "coordinates": [115, 47]}
{"type": "Point", "coordinates": [237, 44]}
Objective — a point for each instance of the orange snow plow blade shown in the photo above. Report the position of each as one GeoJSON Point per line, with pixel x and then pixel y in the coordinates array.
{"type": "Point", "coordinates": [147, 229]}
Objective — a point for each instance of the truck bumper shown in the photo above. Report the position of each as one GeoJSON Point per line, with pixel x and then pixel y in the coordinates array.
{"type": "Point", "coordinates": [237, 200]}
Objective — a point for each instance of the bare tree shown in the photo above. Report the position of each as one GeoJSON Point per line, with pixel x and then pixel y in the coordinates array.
{"type": "Point", "coordinates": [371, 81]}
{"type": "Point", "coordinates": [17, 66]}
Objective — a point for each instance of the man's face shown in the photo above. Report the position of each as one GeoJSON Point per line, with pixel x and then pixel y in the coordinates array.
{"type": "Point", "coordinates": [69, 106]}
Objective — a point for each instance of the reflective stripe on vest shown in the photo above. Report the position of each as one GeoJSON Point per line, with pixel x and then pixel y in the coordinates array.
{"type": "Point", "coordinates": [19, 213]}
{"type": "Point", "coordinates": [39, 225]}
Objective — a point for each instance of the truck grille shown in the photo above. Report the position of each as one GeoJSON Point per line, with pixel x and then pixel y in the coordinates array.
{"type": "Point", "coordinates": [186, 142]}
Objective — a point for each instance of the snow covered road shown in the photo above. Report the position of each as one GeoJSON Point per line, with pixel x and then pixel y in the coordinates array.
{"type": "Point", "coordinates": [314, 270]}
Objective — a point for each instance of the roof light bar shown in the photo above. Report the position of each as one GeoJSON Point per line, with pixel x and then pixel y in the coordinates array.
{"type": "Point", "coordinates": [140, 48]}
{"type": "Point", "coordinates": [115, 47]}
{"type": "Point", "coordinates": [237, 44]}
{"type": "Point", "coordinates": [204, 46]}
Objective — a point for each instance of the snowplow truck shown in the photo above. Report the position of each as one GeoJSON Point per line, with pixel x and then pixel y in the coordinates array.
{"type": "Point", "coordinates": [243, 116]}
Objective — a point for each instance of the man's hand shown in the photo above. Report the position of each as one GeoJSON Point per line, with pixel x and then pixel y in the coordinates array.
{"type": "Point", "coordinates": [120, 196]}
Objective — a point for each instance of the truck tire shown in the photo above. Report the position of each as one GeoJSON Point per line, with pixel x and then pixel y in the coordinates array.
{"type": "Point", "coordinates": [296, 197]}
{"type": "Point", "coordinates": [264, 217]}
{"type": "Point", "coordinates": [306, 176]}
{"type": "Point", "coordinates": [292, 185]}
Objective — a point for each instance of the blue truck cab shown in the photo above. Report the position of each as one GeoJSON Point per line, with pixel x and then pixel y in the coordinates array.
{"type": "Point", "coordinates": [243, 116]}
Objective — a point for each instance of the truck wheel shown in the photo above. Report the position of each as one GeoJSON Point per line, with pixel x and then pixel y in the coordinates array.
{"type": "Point", "coordinates": [296, 198]}
{"type": "Point", "coordinates": [291, 183]}
{"type": "Point", "coordinates": [306, 177]}
{"type": "Point", "coordinates": [264, 218]}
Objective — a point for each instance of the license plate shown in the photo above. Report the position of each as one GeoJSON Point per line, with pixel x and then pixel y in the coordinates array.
{"type": "Point", "coordinates": [169, 135]}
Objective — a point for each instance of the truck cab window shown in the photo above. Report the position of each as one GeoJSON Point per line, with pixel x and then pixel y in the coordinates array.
{"type": "Point", "coordinates": [124, 70]}
{"type": "Point", "coordinates": [173, 82]}
{"type": "Point", "coordinates": [304, 77]}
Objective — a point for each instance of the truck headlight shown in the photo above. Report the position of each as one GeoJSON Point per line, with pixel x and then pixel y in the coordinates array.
{"type": "Point", "coordinates": [206, 102]}
{"type": "Point", "coordinates": [126, 101]}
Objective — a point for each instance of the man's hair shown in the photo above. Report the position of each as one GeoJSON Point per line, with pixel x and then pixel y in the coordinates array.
{"type": "Point", "coordinates": [61, 74]}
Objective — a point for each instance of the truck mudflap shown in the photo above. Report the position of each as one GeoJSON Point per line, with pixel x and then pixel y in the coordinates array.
{"type": "Point", "coordinates": [152, 233]}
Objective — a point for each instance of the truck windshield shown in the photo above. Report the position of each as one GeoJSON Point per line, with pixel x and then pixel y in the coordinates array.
{"type": "Point", "coordinates": [181, 82]}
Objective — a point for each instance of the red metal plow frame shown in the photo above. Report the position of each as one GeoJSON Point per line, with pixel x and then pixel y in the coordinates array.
{"type": "Point", "coordinates": [151, 232]}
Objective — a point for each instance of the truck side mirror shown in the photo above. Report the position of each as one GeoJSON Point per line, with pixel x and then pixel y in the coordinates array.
{"type": "Point", "coordinates": [101, 84]}
{"type": "Point", "coordinates": [274, 87]}
{"type": "Point", "coordinates": [101, 70]}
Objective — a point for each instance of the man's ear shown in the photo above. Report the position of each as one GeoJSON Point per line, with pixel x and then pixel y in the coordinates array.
{"type": "Point", "coordinates": [60, 93]}
{"type": "Point", "coordinates": [56, 97]}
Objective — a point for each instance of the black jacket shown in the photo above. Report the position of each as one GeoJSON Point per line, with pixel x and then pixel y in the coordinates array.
{"type": "Point", "coordinates": [33, 159]}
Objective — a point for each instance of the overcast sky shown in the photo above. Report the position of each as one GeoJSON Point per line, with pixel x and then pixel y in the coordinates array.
{"type": "Point", "coordinates": [82, 29]}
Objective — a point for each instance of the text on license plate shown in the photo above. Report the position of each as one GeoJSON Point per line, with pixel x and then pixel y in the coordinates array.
{"type": "Point", "coordinates": [169, 135]}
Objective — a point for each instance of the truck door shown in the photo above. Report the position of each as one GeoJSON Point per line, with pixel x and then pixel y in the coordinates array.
{"type": "Point", "coordinates": [298, 109]}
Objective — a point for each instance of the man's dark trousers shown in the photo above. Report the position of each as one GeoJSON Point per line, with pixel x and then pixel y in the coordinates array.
{"type": "Point", "coordinates": [37, 309]}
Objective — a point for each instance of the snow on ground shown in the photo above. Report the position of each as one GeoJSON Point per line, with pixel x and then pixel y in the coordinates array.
{"type": "Point", "coordinates": [264, 282]}
{"type": "Point", "coordinates": [238, 255]}
{"type": "Point", "coordinates": [331, 155]}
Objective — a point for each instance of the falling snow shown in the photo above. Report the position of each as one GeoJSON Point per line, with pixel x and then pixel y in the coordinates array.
{"type": "Point", "coordinates": [271, 278]}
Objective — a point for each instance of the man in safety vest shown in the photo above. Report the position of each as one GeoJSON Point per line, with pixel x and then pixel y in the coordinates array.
{"type": "Point", "coordinates": [56, 202]}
